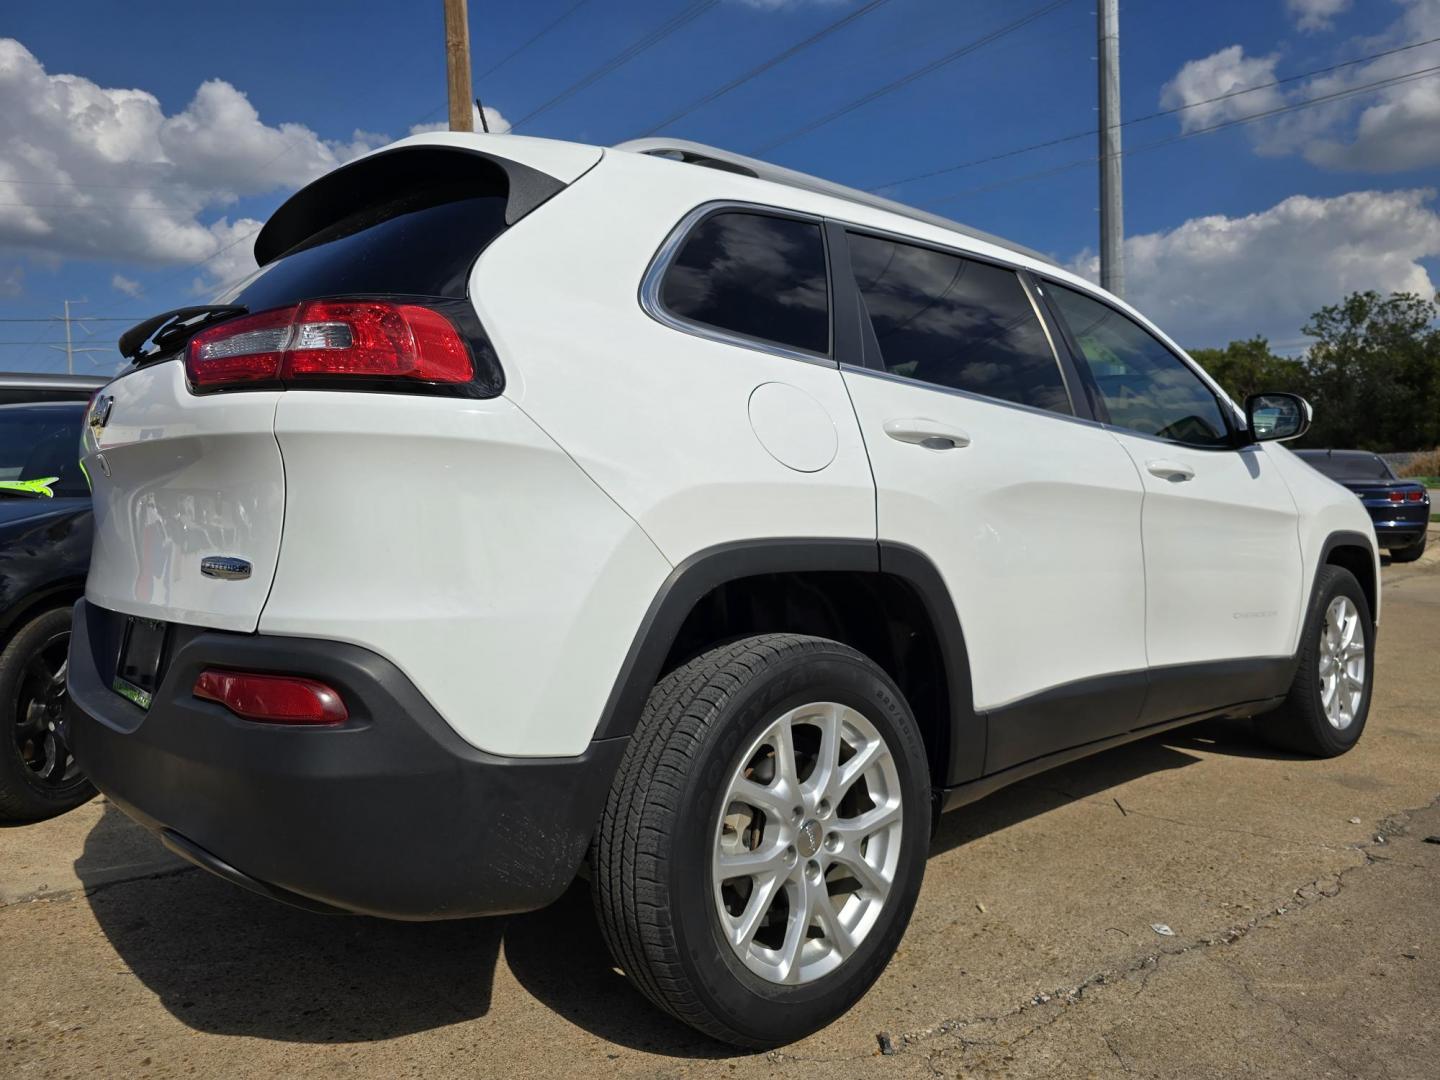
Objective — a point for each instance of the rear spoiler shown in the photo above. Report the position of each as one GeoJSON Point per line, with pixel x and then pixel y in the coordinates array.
{"type": "Point", "coordinates": [399, 169]}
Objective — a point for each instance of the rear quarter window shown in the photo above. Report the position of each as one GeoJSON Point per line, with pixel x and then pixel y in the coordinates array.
{"type": "Point", "coordinates": [753, 275]}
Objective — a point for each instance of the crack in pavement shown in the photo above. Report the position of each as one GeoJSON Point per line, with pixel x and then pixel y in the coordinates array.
{"type": "Point", "coordinates": [1052, 1005]}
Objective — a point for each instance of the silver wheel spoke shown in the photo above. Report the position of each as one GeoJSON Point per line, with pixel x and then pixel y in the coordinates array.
{"type": "Point", "coordinates": [741, 931]}
{"type": "Point", "coordinates": [801, 911]}
{"type": "Point", "coordinates": [827, 759]}
{"type": "Point", "coordinates": [868, 878]}
{"type": "Point", "coordinates": [829, 923]}
{"type": "Point", "coordinates": [772, 798]}
{"type": "Point", "coordinates": [752, 863]}
{"type": "Point", "coordinates": [853, 769]}
{"type": "Point", "coordinates": [855, 829]}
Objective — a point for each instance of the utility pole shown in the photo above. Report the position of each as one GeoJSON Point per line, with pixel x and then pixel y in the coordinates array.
{"type": "Point", "coordinates": [1112, 210]}
{"type": "Point", "coordinates": [70, 348]}
{"type": "Point", "coordinates": [457, 65]}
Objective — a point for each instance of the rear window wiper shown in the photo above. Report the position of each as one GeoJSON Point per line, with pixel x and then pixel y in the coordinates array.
{"type": "Point", "coordinates": [173, 328]}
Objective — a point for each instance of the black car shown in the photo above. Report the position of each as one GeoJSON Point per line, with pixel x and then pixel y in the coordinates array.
{"type": "Point", "coordinates": [45, 532]}
{"type": "Point", "coordinates": [1399, 508]}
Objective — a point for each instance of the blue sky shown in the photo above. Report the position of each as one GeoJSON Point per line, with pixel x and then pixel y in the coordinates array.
{"type": "Point", "coordinates": [138, 202]}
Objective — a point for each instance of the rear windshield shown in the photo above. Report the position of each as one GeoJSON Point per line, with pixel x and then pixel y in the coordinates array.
{"type": "Point", "coordinates": [420, 243]}
{"type": "Point", "coordinates": [1350, 466]}
{"type": "Point", "coordinates": [41, 443]}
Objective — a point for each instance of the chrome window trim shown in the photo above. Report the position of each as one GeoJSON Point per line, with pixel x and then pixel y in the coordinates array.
{"type": "Point", "coordinates": [651, 283]}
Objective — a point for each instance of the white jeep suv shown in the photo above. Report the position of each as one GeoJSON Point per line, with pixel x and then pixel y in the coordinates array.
{"type": "Point", "coordinates": [538, 506]}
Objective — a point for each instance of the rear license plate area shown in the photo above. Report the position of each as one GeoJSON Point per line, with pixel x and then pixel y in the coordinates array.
{"type": "Point", "coordinates": [138, 667]}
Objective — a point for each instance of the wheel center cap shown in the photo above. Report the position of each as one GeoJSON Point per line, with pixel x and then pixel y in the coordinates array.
{"type": "Point", "coordinates": [807, 841]}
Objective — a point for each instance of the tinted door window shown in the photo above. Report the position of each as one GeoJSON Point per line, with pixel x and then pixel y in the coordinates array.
{"type": "Point", "coordinates": [42, 442]}
{"type": "Point", "coordinates": [957, 323]}
{"type": "Point", "coordinates": [754, 275]}
{"type": "Point", "coordinates": [1145, 386]}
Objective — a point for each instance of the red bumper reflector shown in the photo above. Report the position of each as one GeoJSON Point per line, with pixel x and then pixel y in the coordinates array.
{"type": "Point", "coordinates": [272, 699]}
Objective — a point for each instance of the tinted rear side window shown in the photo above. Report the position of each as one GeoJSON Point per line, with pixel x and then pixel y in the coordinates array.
{"type": "Point", "coordinates": [956, 322]}
{"type": "Point", "coordinates": [420, 243]}
{"type": "Point", "coordinates": [42, 442]}
{"type": "Point", "coordinates": [754, 275]}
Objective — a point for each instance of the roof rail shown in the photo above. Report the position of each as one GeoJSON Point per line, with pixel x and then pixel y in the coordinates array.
{"type": "Point", "coordinates": [711, 157]}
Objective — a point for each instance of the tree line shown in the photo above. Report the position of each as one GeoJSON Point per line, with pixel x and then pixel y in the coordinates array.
{"type": "Point", "coordinates": [1373, 373]}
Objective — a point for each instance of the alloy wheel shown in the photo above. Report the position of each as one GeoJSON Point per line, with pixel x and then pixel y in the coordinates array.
{"type": "Point", "coordinates": [808, 843]}
{"type": "Point", "coordinates": [1342, 662]}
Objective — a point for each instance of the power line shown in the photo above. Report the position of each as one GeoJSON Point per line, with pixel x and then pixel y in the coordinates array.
{"type": "Point", "coordinates": [659, 34]}
{"type": "Point", "coordinates": [1338, 95]}
{"type": "Point", "coordinates": [1074, 136]}
{"type": "Point", "coordinates": [905, 80]}
{"type": "Point", "coordinates": [760, 69]}
{"type": "Point", "coordinates": [551, 25]}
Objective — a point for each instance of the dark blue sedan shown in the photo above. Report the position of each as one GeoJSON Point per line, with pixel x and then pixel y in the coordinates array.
{"type": "Point", "coordinates": [1399, 508]}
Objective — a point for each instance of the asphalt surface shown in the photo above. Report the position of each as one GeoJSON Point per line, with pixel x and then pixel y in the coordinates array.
{"type": "Point", "coordinates": [1302, 897]}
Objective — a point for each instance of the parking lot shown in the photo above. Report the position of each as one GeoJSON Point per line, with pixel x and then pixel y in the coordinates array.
{"type": "Point", "coordinates": [1300, 898]}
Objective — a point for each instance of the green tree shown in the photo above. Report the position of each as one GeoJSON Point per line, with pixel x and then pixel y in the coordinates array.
{"type": "Point", "coordinates": [1249, 367]}
{"type": "Point", "coordinates": [1374, 372]}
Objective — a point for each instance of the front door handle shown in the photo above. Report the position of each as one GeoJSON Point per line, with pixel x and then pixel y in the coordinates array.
{"type": "Point", "coordinates": [931, 434]}
{"type": "Point", "coordinates": [1170, 470]}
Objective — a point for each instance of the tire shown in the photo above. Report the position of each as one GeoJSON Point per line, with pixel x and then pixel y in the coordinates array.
{"type": "Point", "coordinates": [1409, 554]}
{"type": "Point", "coordinates": [665, 831]}
{"type": "Point", "coordinates": [1303, 724]}
{"type": "Point", "coordinates": [38, 777]}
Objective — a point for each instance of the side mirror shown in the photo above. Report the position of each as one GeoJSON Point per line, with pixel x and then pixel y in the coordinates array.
{"type": "Point", "coordinates": [1274, 417]}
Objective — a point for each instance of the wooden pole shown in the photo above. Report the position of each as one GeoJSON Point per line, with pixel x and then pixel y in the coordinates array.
{"type": "Point", "coordinates": [457, 65]}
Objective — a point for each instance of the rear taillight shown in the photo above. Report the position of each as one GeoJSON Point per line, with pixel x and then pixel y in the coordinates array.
{"type": "Point", "coordinates": [330, 339]}
{"type": "Point", "coordinates": [1414, 496]}
{"type": "Point", "coordinates": [273, 699]}
{"type": "Point", "coordinates": [1397, 496]}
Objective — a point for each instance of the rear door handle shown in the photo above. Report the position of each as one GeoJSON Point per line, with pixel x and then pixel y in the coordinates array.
{"type": "Point", "coordinates": [1170, 470]}
{"type": "Point", "coordinates": [931, 434]}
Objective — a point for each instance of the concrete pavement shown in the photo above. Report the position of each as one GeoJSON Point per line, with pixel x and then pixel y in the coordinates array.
{"type": "Point", "coordinates": [1305, 943]}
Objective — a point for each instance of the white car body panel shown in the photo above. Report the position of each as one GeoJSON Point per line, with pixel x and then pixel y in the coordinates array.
{"type": "Point", "coordinates": [1035, 527]}
{"type": "Point", "coordinates": [182, 478]}
{"type": "Point", "coordinates": [1222, 558]}
{"type": "Point", "coordinates": [659, 417]}
{"type": "Point", "coordinates": [1324, 508]}
{"type": "Point", "coordinates": [457, 540]}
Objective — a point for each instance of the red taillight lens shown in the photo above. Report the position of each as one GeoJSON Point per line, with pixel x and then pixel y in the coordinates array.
{"type": "Point", "coordinates": [321, 339]}
{"type": "Point", "coordinates": [1397, 496]}
{"type": "Point", "coordinates": [274, 699]}
{"type": "Point", "coordinates": [1414, 496]}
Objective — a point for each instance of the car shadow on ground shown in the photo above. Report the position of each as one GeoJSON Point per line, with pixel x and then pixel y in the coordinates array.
{"type": "Point", "coordinates": [225, 961]}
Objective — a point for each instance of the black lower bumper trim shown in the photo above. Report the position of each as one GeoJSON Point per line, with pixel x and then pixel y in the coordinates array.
{"type": "Point", "coordinates": [389, 814]}
{"type": "Point", "coordinates": [194, 853]}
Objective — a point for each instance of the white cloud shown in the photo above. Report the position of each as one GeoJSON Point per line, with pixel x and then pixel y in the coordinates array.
{"type": "Point", "coordinates": [1390, 129]}
{"type": "Point", "coordinates": [93, 172]}
{"type": "Point", "coordinates": [1215, 76]}
{"type": "Point", "coordinates": [12, 282]}
{"type": "Point", "coordinates": [1316, 14]}
{"type": "Point", "coordinates": [1216, 278]}
{"type": "Point", "coordinates": [497, 124]}
{"type": "Point", "coordinates": [128, 286]}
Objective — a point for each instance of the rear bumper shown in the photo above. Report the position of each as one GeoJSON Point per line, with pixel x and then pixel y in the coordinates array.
{"type": "Point", "coordinates": [390, 814]}
{"type": "Point", "coordinates": [1400, 533]}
